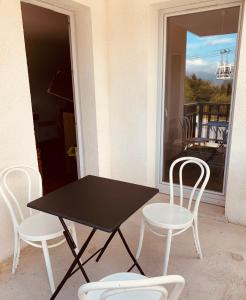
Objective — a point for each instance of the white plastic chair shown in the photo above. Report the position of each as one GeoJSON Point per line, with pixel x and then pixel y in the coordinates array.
{"type": "Point", "coordinates": [131, 286]}
{"type": "Point", "coordinates": [36, 229]}
{"type": "Point", "coordinates": [169, 219]}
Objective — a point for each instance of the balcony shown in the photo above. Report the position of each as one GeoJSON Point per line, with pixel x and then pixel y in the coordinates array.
{"type": "Point", "coordinates": [204, 134]}
{"type": "Point", "coordinates": [220, 275]}
{"type": "Point", "coordinates": [202, 116]}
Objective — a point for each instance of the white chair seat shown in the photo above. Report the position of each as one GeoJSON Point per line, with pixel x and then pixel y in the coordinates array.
{"type": "Point", "coordinates": [39, 227]}
{"type": "Point", "coordinates": [168, 216]}
{"type": "Point", "coordinates": [134, 295]}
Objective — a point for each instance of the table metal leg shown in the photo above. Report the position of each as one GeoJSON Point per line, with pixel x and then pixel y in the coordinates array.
{"type": "Point", "coordinates": [76, 260]}
{"type": "Point", "coordinates": [77, 257]}
{"type": "Point", "coordinates": [72, 246]}
{"type": "Point", "coordinates": [130, 253]}
{"type": "Point", "coordinates": [127, 248]}
{"type": "Point", "coordinates": [67, 234]}
{"type": "Point", "coordinates": [106, 245]}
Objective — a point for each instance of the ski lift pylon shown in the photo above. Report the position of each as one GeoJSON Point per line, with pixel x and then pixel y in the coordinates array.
{"type": "Point", "coordinates": [225, 71]}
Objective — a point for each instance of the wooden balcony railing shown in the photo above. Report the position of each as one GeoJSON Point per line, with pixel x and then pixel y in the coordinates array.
{"type": "Point", "coordinates": [202, 114]}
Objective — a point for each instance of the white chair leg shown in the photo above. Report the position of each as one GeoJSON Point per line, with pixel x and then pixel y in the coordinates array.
{"type": "Point", "coordinates": [141, 237]}
{"type": "Point", "coordinates": [197, 239]}
{"type": "Point", "coordinates": [15, 257]}
{"type": "Point", "coordinates": [48, 265]}
{"type": "Point", "coordinates": [18, 253]}
{"type": "Point", "coordinates": [167, 252]}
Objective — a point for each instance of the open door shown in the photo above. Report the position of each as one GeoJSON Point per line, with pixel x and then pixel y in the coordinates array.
{"type": "Point", "coordinates": [47, 41]}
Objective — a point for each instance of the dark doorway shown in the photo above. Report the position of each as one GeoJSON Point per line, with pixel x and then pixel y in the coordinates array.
{"type": "Point", "coordinates": [47, 43]}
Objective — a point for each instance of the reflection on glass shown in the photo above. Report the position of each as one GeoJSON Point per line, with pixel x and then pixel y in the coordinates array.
{"type": "Point", "coordinates": [200, 66]}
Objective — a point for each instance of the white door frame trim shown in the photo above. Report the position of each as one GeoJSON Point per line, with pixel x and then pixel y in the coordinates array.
{"type": "Point", "coordinates": [75, 78]}
{"type": "Point", "coordinates": [209, 196]}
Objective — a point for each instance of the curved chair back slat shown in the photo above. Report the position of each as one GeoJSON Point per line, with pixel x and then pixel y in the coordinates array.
{"type": "Point", "coordinates": [196, 192]}
{"type": "Point", "coordinates": [8, 195]}
{"type": "Point", "coordinates": [156, 285]}
{"type": "Point", "coordinates": [159, 290]}
{"type": "Point", "coordinates": [186, 125]}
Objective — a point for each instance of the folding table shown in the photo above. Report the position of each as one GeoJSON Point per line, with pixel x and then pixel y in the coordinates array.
{"type": "Point", "coordinates": [100, 203]}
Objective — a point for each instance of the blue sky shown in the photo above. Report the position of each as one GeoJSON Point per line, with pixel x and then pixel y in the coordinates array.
{"type": "Point", "coordinates": [202, 53]}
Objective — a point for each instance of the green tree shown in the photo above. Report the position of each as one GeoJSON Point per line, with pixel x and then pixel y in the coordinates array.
{"type": "Point", "coordinates": [189, 92]}
{"type": "Point", "coordinates": [199, 90]}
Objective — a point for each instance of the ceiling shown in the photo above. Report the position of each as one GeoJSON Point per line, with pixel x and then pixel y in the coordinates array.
{"type": "Point", "coordinates": [214, 22]}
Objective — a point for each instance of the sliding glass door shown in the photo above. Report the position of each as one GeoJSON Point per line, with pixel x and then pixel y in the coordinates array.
{"type": "Point", "coordinates": [200, 60]}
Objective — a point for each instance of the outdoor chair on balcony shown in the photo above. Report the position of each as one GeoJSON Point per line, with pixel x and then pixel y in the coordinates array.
{"type": "Point", "coordinates": [189, 137]}
{"type": "Point", "coordinates": [36, 229]}
{"type": "Point", "coordinates": [131, 286]}
{"type": "Point", "coordinates": [169, 219]}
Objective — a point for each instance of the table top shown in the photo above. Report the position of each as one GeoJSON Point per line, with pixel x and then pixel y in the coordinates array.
{"type": "Point", "coordinates": [97, 202]}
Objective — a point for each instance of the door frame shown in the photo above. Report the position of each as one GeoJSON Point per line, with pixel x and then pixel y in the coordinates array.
{"type": "Point", "coordinates": [75, 78]}
{"type": "Point", "coordinates": [209, 196]}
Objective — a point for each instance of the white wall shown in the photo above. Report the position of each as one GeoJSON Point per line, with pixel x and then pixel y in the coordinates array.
{"type": "Point", "coordinates": [236, 185]}
{"type": "Point", "coordinates": [16, 125]}
{"type": "Point", "coordinates": [17, 144]}
{"type": "Point", "coordinates": [118, 64]}
{"type": "Point", "coordinates": [100, 57]}
{"type": "Point", "coordinates": [130, 87]}
{"type": "Point", "coordinates": [100, 80]}
{"type": "Point", "coordinates": [133, 69]}
{"type": "Point", "coordinates": [133, 47]}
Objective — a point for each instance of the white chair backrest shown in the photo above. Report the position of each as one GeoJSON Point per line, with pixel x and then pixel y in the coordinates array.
{"type": "Point", "coordinates": [203, 179]}
{"type": "Point", "coordinates": [8, 194]}
{"type": "Point", "coordinates": [155, 284]}
{"type": "Point", "coordinates": [186, 124]}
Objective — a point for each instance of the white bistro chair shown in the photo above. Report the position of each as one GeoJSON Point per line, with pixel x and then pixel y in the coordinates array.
{"type": "Point", "coordinates": [36, 229]}
{"type": "Point", "coordinates": [169, 219]}
{"type": "Point", "coordinates": [189, 139]}
{"type": "Point", "coordinates": [131, 286]}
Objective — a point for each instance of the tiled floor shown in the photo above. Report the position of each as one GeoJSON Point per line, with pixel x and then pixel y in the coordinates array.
{"type": "Point", "coordinates": [221, 275]}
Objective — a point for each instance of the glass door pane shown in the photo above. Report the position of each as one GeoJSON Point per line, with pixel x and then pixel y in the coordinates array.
{"type": "Point", "coordinates": [200, 67]}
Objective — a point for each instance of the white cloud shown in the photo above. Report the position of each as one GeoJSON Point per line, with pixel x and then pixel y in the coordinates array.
{"type": "Point", "coordinates": [196, 62]}
{"type": "Point", "coordinates": [210, 41]}
{"type": "Point", "coordinates": [193, 46]}
{"type": "Point", "coordinates": [200, 65]}
{"type": "Point", "coordinates": [220, 41]}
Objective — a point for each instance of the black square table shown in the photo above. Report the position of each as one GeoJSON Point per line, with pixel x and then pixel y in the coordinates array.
{"type": "Point", "coordinates": [100, 203]}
